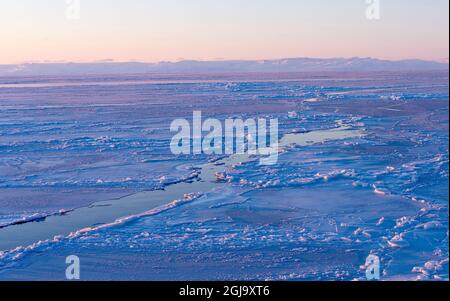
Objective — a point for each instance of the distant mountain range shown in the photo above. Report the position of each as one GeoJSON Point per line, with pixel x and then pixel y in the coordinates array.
{"type": "Point", "coordinates": [281, 65]}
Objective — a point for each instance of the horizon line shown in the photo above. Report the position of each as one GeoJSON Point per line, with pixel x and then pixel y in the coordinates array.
{"type": "Point", "coordinates": [112, 61]}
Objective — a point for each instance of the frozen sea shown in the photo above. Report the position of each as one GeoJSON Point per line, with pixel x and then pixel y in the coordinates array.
{"type": "Point", "coordinates": [86, 170]}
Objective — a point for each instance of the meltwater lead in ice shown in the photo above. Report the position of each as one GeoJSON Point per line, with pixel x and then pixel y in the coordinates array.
{"type": "Point", "coordinates": [242, 137]}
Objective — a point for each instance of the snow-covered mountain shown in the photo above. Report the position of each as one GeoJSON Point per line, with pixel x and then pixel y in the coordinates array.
{"type": "Point", "coordinates": [282, 65]}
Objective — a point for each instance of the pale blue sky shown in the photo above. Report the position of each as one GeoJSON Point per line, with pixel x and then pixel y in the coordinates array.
{"type": "Point", "coordinates": [155, 30]}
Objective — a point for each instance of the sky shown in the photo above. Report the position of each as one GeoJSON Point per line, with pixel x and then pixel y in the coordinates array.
{"type": "Point", "coordinates": [173, 30]}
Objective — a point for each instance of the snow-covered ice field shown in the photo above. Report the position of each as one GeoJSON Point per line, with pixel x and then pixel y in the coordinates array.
{"type": "Point", "coordinates": [95, 152]}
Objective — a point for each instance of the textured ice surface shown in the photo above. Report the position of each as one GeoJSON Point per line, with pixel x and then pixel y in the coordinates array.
{"type": "Point", "coordinates": [317, 214]}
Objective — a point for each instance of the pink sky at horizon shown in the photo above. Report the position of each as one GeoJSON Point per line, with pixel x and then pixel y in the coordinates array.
{"type": "Point", "coordinates": [173, 30]}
